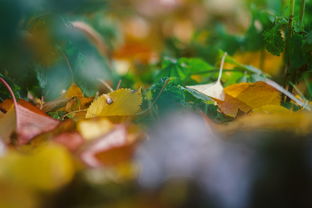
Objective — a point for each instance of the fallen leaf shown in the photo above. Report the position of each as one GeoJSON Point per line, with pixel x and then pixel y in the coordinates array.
{"type": "Point", "coordinates": [271, 109]}
{"type": "Point", "coordinates": [7, 125]}
{"type": "Point", "coordinates": [213, 90]}
{"type": "Point", "coordinates": [255, 95]}
{"type": "Point", "coordinates": [71, 140]}
{"type": "Point", "coordinates": [296, 122]}
{"type": "Point", "coordinates": [25, 122]}
{"type": "Point", "coordinates": [47, 168]}
{"type": "Point", "coordinates": [65, 133]}
{"type": "Point", "coordinates": [94, 128]}
{"type": "Point", "coordinates": [6, 105]}
{"type": "Point", "coordinates": [122, 102]}
{"type": "Point", "coordinates": [231, 106]}
{"type": "Point", "coordinates": [113, 139]}
{"type": "Point", "coordinates": [112, 149]}
{"type": "Point", "coordinates": [77, 100]}
{"type": "Point", "coordinates": [248, 96]}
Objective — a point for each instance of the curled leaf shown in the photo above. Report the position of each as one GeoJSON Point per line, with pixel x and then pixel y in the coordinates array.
{"type": "Point", "coordinates": [27, 122]}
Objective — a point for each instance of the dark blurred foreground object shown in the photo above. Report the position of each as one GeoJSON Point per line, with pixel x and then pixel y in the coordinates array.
{"type": "Point", "coordinates": [250, 169]}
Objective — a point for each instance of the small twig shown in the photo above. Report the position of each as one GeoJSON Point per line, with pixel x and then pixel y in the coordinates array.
{"type": "Point", "coordinates": [287, 59]}
{"type": "Point", "coordinates": [55, 104]}
{"type": "Point", "coordinates": [221, 67]}
{"type": "Point", "coordinates": [118, 84]}
{"type": "Point", "coordinates": [68, 65]}
{"type": "Point", "coordinates": [298, 91]}
{"type": "Point", "coordinates": [287, 93]}
{"type": "Point", "coordinates": [93, 35]}
{"type": "Point", "coordinates": [106, 85]}
{"type": "Point", "coordinates": [302, 10]}
{"type": "Point", "coordinates": [217, 70]}
{"type": "Point", "coordinates": [76, 111]}
{"type": "Point", "coordinates": [262, 60]}
{"type": "Point", "coordinates": [14, 99]}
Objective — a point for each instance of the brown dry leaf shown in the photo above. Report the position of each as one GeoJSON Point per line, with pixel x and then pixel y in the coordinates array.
{"type": "Point", "coordinates": [231, 106]}
{"type": "Point", "coordinates": [80, 101]}
{"type": "Point", "coordinates": [122, 102]}
{"type": "Point", "coordinates": [248, 96]}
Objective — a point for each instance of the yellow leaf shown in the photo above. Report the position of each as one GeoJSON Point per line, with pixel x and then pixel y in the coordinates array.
{"type": "Point", "coordinates": [255, 94]}
{"type": "Point", "coordinates": [248, 96]}
{"type": "Point", "coordinates": [92, 129]}
{"type": "Point", "coordinates": [122, 102]}
{"type": "Point", "coordinates": [80, 101]}
{"type": "Point", "coordinates": [7, 125]}
{"type": "Point", "coordinates": [270, 109]}
{"type": "Point", "coordinates": [47, 168]}
{"type": "Point", "coordinates": [73, 91]}
{"type": "Point", "coordinates": [296, 122]}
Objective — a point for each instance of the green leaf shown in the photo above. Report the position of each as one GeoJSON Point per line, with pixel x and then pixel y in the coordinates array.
{"type": "Point", "coordinates": [274, 41]}
{"type": "Point", "coordinates": [181, 70]}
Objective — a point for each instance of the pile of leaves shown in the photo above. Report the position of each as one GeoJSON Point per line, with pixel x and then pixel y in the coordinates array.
{"type": "Point", "coordinates": [99, 108]}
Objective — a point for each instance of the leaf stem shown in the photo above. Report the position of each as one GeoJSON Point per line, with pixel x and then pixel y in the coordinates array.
{"type": "Point", "coordinates": [289, 35]}
{"type": "Point", "coordinates": [302, 10]}
{"type": "Point", "coordinates": [221, 67]}
{"type": "Point", "coordinates": [14, 99]}
{"type": "Point", "coordinates": [217, 70]}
